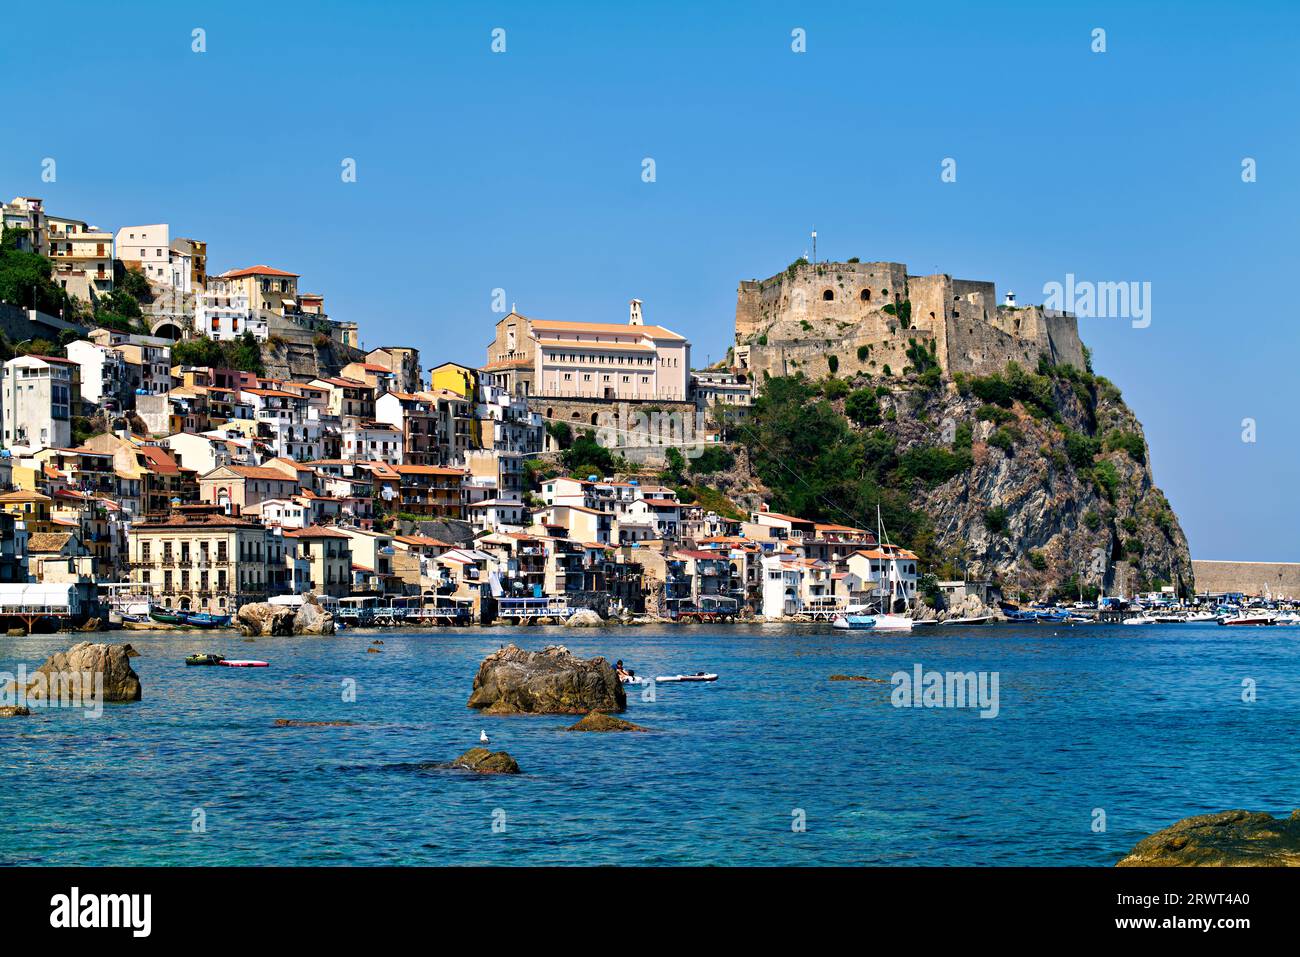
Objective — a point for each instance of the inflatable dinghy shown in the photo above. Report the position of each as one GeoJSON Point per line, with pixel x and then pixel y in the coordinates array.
{"type": "Point", "coordinates": [698, 676]}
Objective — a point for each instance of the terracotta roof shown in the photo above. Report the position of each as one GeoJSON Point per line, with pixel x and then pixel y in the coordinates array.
{"type": "Point", "coordinates": [257, 472]}
{"type": "Point", "coordinates": [655, 332]}
{"type": "Point", "coordinates": [33, 355]}
{"type": "Point", "coordinates": [159, 460]}
{"type": "Point", "coordinates": [314, 531]}
{"type": "Point", "coordinates": [584, 344]}
{"type": "Point", "coordinates": [661, 503]}
{"type": "Point", "coordinates": [256, 271]}
{"type": "Point", "coordinates": [47, 541]}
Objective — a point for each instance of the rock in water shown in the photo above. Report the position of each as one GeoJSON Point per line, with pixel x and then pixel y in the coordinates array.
{"type": "Point", "coordinates": [13, 711]}
{"type": "Point", "coordinates": [312, 619]}
{"type": "Point", "coordinates": [295, 723]}
{"type": "Point", "coordinates": [263, 618]}
{"type": "Point", "coordinates": [483, 761]}
{"type": "Point", "coordinates": [584, 618]}
{"type": "Point", "coordinates": [550, 681]}
{"type": "Point", "coordinates": [1226, 839]}
{"type": "Point", "coordinates": [113, 662]}
{"type": "Point", "coordinates": [599, 721]}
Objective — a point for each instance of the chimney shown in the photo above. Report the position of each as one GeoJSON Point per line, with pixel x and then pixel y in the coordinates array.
{"type": "Point", "coordinates": [634, 313]}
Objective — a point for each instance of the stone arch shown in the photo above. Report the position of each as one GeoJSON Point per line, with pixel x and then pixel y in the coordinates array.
{"type": "Point", "coordinates": [550, 412]}
{"type": "Point", "coordinates": [166, 329]}
{"type": "Point", "coordinates": [593, 418]}
{"type": "Point", "coordinates": [577, 416]}
{"type": "Point", "coordinates": [866, 295]}
{"type": "Point", "coordinates": [828, 295]}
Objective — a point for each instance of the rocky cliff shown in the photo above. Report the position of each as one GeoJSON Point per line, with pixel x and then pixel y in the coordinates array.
{"type": "Point", "coordinates": [1039, 479]}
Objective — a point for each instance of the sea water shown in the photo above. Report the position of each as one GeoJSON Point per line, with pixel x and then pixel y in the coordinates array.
{"type": "Point", "coordinates": [1102, 735]}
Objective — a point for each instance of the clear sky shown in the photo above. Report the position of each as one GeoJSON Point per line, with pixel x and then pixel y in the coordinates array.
{"type": "Point", "coordinates": [523, 171]}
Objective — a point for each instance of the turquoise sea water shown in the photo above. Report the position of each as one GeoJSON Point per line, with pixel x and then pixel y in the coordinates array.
{"type": "Point", "coordinates": [1147, 724]}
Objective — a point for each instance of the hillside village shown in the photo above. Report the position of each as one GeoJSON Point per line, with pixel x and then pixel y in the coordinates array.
{"type": "Point", "coordinates": [201, 441]}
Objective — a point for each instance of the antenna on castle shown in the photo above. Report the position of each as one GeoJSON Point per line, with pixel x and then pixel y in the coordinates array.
{"type": "Point", "coordinates": [814, 239]}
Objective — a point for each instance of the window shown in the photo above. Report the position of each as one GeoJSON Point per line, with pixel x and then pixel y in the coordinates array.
{"type": "Point", "coordinates": [828, 295]}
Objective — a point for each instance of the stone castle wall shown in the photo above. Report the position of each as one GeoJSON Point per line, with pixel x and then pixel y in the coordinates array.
{"type": "Point", "coordinates": [797, 319]}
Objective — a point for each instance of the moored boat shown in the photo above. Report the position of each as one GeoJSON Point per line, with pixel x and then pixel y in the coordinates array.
{"type": "Point", "coordinates": [203, 620]}
{"type": "Point", "coordinates": [855, 622]}
{"type": "Point", "coordinates": [167, 617]}
{"type": "Point", "coordinates": [1247, 618]}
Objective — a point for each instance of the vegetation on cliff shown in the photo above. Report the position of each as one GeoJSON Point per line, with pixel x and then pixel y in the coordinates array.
{"type": "Point", "coordinates": [1036, 478]}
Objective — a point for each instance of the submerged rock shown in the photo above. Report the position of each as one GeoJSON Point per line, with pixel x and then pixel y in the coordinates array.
{"type": "Point", "coordinates": [70, 669]}
{"type": "Point", "coordinates": [1225, 839]}
{"type": "Point", "coordinates": [599, 721]}
{"type": "Point", "coordinates": [858, 678]}
{"type": "Point", "coordinates": [550, 681]}
{"type": "Point", "coordinates": [584, 618]}
{"type": "Point", "coordinates": [295, 723]}
{"type": "Point", "coordinates": [14, 711]}
{"type": "Point", "coordinates": [483, 761]}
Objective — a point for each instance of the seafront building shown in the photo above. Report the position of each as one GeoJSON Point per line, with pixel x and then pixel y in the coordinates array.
{"type": "Point", "coordinates": [354, 472]}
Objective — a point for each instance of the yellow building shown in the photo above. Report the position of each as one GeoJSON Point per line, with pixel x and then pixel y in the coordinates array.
{"type": "Point", "coordinates": [267, 289]}
{"type": "Point", "coordinates": [455, 378]}
{"type": "Point", "coordinates": [29, 507]}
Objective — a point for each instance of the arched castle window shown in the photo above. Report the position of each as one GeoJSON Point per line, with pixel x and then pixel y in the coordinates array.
{"type": "Point", "coordinates": [866, 295]}
{"type": "Point", "coordinates": [828, 295]}
{"type": "Point", "coordinates": [593, 418]}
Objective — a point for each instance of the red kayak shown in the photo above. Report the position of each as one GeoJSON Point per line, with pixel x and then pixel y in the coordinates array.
{"type": "Point", "coordinates": [246, 663]}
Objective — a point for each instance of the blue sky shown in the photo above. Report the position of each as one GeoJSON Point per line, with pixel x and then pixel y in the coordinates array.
{"type": "Point", "coordinates": [522, 171]}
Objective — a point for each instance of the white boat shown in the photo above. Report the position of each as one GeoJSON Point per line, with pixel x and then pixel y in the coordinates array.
{"type": "Point", "coordinates": [1287, 618]}
{"type": "Point", "coordinates": [1139, 620]}
{"type": "Point", "coordinates": [1198, 616]}
{"type": "Point", "coordinates": [894, 623]}
{"type": "Point", "coordinates": [698, 676]}
{"type": "Point", "coordinates": [1246, 618]}
{"type": "Point", "coordinates": [981, 620]}
{"type": "Point", "coordinates": [854, 622]}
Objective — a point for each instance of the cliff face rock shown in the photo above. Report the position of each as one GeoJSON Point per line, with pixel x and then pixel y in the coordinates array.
{"type": "Point", "coordinates": [1226, 839]}
{"type": "Point", "coordinates": [1039, 507]}
{"type": "Point", "coordinates": [551, 681]}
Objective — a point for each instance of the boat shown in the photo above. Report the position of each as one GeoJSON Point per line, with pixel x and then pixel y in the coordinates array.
{"type": "Point", "coordinates": [244, 663]}
{"type": "Point", "coordinates": [1139, 620]}
{"type": "Point", "coordinates": [1198, 616]}
{"type": "Point", "coordinates": [698, 676]}
{"type": "Point", "coordinates": [894, 623]}
{"type": "Point", "coordinates": [855, 622]}
{"type": "Point", "coordinates": [204, 660]}
{"type": "Point", "coordinates": [628, 678]}
{"type": "Point", "coordinates": [1287, 618]}
{"type": "Point", "coordinates": [201, 619]}
{"type": "Point", "coordinates": [1247, 618]}
{"type": "Point", "coordinates": [1051, 615]}
{"type": "Point", "coordinates": [980, 620]}
{"type": "Point", "coordinates": [167, 617]}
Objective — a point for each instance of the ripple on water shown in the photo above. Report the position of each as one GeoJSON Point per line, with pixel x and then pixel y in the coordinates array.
{"type": "Point", "coordinates": [1148, 728]}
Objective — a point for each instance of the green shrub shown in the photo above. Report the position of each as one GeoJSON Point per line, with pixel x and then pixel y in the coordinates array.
{"type": "Point", "coordinates": [995, 519]}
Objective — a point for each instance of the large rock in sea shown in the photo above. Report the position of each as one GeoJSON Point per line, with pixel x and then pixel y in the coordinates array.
{"type": "Point", "coordinates": [550, 681]}
{"type": "Point", "coordinates": [584, 618]}
{"type": "Point", "coordinates": [1225, 839]}
{"type": "Point", "coordinates": [312, 619]}
{"type": "Point", "coordinates": [263, 618]}
{"type": "Point", "coordinates": [120, 682]}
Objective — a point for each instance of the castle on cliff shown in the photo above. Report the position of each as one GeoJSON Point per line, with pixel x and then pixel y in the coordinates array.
{"type": "Point", "coordinates": [867, 315]}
